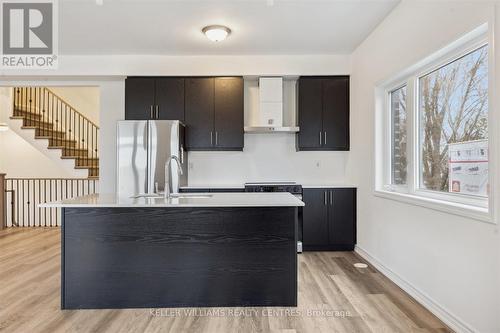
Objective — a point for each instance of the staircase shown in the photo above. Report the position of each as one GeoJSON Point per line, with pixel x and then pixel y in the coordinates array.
{"type": "Point", "coordinates": [58, 122]}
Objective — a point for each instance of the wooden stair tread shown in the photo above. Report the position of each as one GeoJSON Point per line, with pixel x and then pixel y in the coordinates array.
{"type": "Point", "coordinates": [50, 129]}
{"type": "Point", "coordinates": [87, 167]}
{"type": "Point", "coordinates": [68, 157]}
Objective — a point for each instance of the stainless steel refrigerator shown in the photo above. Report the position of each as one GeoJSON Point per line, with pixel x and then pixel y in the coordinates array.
{"type": "Point", "coordinates": [144, 146]}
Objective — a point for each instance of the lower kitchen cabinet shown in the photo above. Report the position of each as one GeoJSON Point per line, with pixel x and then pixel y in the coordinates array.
{"type": "Point", "coordinates": [329, 219]}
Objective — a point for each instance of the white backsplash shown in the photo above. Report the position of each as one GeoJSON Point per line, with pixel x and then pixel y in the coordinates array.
{"type": "Point", "coordinates": [267, 157]}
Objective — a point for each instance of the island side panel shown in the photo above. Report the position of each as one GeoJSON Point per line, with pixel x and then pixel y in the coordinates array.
{"type": "Point", "coordinates": [62, 258]}
{"type": "Point", "coordinates": [179, 257]}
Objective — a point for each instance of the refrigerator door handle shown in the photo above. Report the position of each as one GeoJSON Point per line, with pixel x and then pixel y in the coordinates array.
{"type": "Point", "coordinates": [151, 112]}
{"type": "Point", "coordinates": [148, 152]}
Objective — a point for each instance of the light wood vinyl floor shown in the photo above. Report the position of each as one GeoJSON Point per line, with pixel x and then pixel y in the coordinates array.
{"type": "Point", "coordinates": [334, 296]}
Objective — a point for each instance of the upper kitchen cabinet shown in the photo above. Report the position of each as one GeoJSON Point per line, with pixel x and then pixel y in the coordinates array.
{"type": "Point", "coordinates": [229, 113]}
{"type": "Point", "coordinates": [139, 98]}
{"type": "Point", "coordinates": [154, 98]}
{"type": "Point", "coordinates": [323, 113]}
{"type": "Point", "coordinates": [199, 113]}
{"type": "Point", "coordinates": [214, 113]}
{"type": "Point", "coordinates": [169, 94]}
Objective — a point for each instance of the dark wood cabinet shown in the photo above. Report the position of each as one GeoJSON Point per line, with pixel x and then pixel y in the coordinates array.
{"type": "Point", "coordinates": [214, 113]}
{"type": "Point", "coordinates": [229, 113]}
{"type": "Point", "coordinates": [315, 217]}
{"type": "Point", "coordinates": [210, 107]}
{"type": "Point", "coordinates": [199, 113]}
{"type": "Point", "coordinates": [154, 98]}
{"type": "Point", "coordinates": [169, 93]}
{"type": "Point", "coordinates": [139, 98]}
{"type": "Point", "coordinates": [329, 219]}
{"type": "Point", "coordinates": [323, 113]}
{"type": "Point", "coordinates": [341, 217]}
{"type": "Point", "coordinates": [310, 112]}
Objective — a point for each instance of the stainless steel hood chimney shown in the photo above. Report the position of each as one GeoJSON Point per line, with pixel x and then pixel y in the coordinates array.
{"type": "Point", "coordinates": [270, 114]}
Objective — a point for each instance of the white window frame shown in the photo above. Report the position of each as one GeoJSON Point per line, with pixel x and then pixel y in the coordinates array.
{"type": "Point", "coordinates": [465, 205]}
{"type": "Point", "coordinates": [395, 187]}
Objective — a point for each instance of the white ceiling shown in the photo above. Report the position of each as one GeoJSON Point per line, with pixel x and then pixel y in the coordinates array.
{"type": "Point", "coordinates": [259, 26]}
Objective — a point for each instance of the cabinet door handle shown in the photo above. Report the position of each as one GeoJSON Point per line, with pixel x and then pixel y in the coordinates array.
{"type": "Point", "coordinates": [320, 138]}
{"type": "Point", "coordinates": [331, 198]}
{"type": "Point", "coordinates": [158, 113]}
{"type": "Point", "coordinates": [151, 112]}
{"type": "Point", "coordinates": [325, 197]}
{"type": "Point", "coordinates": [325, 138]}
{"type": "Point", "coordinates": [216, 138]}
{"type": "Point", "coordinates": [211, 138]}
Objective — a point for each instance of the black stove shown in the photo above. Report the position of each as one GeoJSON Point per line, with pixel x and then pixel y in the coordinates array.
{"type": "Point", "coordinates": [290, 187]}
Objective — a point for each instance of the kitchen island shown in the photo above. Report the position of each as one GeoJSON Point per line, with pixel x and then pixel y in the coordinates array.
{"type": "Point", "coordinates": [217, 249]}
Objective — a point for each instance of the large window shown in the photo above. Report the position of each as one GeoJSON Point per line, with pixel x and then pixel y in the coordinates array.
{"type": "Point", "coordinates": [399, 136]}
{"type": "Point", "coordinates": [453, 111]}
{"type": "Point", "coordinates": [435, 146]}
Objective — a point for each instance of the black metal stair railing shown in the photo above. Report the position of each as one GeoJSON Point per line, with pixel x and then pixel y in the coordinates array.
{"type": "Point", "coordinates": [23, 195]}
{"type": "Point", "coordinates": [61, 124]}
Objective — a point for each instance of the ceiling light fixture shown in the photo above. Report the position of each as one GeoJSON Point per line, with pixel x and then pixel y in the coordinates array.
{"type": "Point", "coordinates": [216, 33]}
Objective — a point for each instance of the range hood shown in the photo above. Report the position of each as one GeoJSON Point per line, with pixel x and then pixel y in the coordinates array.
{"type": "Point", "coordinates": [269, 117]}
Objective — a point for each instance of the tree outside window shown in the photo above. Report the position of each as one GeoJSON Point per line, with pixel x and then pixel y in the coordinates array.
{"type": "Point", "coordinates": [453, 106]}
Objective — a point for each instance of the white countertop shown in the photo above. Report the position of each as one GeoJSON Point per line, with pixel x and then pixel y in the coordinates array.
{"type": "Point", "coordinates": [215, 186]}
{"type": "Point", "coordinates": [242, 199]}
{"type": "Point", "coordinates": [242, 186]}
{"type": "Point", "coordinates": [329, 186]}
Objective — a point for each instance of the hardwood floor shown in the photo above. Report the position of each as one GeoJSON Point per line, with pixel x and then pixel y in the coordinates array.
{"type": "Point", "coordinates": [334, 296]}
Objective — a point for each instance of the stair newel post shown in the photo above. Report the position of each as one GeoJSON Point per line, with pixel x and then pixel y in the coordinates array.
{"type": "Point", "coordinates": [72, 131]}
{"type": "Point", "coordinates": [37, 119]}
{"type": "Point", "coordinates": [93, 143]}
{"type": "Point", "coordinates": [46, 109]}
{"type": "Point", "coordinates": [66, 145]}
{"type": "Point", "coordinates": [39, 104]}
{"type": "Point", "coordinates": [87, 143]}
{"type": "Point", "coordinates": [29, 100]}
{"type": "Point", "coordinates": [52, 109]}
{"type": "Point", "coordinates": [80, 137]}
{"type": "Point", "coordinates": [3, 209]}
{"type": "Point", "coordinates": [59, 122]}
{"type": "Point", "coordinates": [16, 100]}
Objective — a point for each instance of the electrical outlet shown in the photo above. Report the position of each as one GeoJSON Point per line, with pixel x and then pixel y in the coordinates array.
{"type": "Point", "coordinates": [190, 165]}
{"type": "Point", "coordinates": [317, 164]}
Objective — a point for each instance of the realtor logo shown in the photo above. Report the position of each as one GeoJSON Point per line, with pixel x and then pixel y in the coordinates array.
{"type": "Point", "coordinates": [29, 34]}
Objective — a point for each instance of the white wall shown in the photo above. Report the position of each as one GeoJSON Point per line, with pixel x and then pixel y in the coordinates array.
{"type": "Point", "coordinates": [275, 159]}
{"type": "Point", "coordinates": [123, 65]}
{"type": "Point", "coordinates": [83, 99]}
{"type": "Point", "coordinates": [18, 158]}
{"type": "Point", "coordinates": [267, 157]}
{"type": "Point", "coordinates": [451, 262]}
{"type": "Point", "coordinates": [111, 106]}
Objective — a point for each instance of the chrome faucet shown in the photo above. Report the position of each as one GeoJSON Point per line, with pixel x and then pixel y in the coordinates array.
{"type": "Point", "coordinates": [167, 192]}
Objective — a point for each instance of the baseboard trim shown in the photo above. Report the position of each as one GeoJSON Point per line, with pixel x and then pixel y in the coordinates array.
{"type": "Point", "coordinates": [438, 310]}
